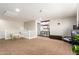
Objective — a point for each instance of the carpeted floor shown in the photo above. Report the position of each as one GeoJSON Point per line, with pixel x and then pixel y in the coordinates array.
{"type": "Point", "coordinates": [37, 46]}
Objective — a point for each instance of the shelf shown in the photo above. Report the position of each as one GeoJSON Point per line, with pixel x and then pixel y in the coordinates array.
{"type": "Point", "coordinates": [45, 21]}
{"type": "Point", "coordinates": [44, 25]}
{"type": "Point", "coordinates": [45, 28]}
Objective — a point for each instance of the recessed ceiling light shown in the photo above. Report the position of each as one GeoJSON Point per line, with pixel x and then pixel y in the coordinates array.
{"type": "Point", "coordinates": [17, 10]}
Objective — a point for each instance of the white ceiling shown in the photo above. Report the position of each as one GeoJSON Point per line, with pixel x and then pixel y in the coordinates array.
{"type": "Point", "coordinates": [31, 11]}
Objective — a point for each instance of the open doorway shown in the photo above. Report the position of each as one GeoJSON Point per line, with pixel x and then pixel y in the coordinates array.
{"type": "Point", "coordinates": [38, 29]}
{"type": "Point", "coordinates": [43, 28]}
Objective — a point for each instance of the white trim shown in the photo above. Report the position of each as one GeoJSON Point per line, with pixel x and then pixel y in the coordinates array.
{"type": "Point", "coordinates": [77, 15]}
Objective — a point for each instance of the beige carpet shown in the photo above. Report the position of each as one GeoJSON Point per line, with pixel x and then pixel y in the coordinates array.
{"type": "Point", "coordinates": [37, 46]}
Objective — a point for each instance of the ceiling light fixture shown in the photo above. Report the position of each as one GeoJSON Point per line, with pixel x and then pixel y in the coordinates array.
{"type": "Point", "coordinates": [17, 10]}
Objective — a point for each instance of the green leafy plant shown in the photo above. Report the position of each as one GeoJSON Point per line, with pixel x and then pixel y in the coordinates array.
{"type": "Point", "coordinates": [75, 49]}
{"type": "Point", "coordinates": [76, 37]}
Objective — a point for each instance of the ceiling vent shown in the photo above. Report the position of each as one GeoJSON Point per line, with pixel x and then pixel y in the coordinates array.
{"type": "Point", "coordinates": [9, 13]}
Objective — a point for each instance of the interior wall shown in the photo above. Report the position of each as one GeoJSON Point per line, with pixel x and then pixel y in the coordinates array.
{"type": "Point", "coordinates": [30, 27]}
{"type": "Point", "coordinates": [11, 25]}
{"type": "Point", "coordinates": [64, 28]}
{"type": "Point", "coordinates": [14, 26]}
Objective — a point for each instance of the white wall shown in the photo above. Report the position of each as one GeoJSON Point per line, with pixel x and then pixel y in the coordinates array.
{"type": "Point", "coordinates": [14, 26]}
{"type": "Point", "coordinates": [30, 27]}
{"type": "Point", "coordinates": [64, 28]}
{"type": "Point", "coordinates": [11, 25]}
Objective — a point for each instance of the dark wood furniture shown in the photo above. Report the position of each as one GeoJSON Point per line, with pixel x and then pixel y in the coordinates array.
{"type": "Point", "coordinates": [55, 37]}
